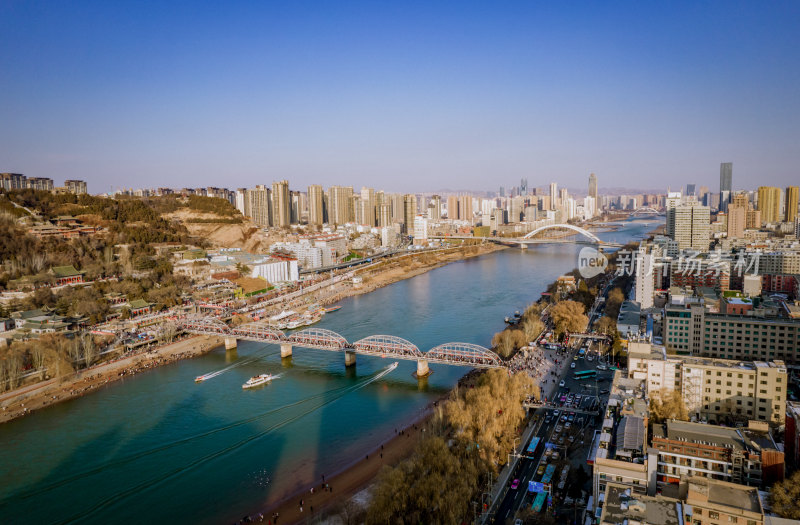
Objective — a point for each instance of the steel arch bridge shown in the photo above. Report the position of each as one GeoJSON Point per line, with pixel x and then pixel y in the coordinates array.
{"type": "Point", "coordinates": [589, 235]}
{"type": "Point", "coordinates": [458, 354]}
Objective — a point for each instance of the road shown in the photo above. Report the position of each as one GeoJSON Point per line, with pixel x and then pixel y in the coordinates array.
{"type": "Point", "coordinates": [527, 468]}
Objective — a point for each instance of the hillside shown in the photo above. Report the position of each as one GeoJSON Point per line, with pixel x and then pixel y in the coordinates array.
{"type": "Point", "coordinates": [220, 233]}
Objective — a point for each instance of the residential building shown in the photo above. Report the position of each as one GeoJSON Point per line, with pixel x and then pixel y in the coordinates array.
{"type": "Point", "coordinates": [368, 206]}
{"type": "Point", "coordinates": [13, 181]}
{"type": "Point", "coordinates": [78, 187]}
{"type": "Point", "coordinates": [281, 204]}
{"type": "Point", "coordinates": [340, 205]}
{"type": "Point", "coordinates": [553, 196]}
{"type": "Point", "coordinates": [276, 269]}
{"type": "Point", "coordinates": [629, 319]}
{"type": "Point", "coordinates": [689, 225]}
{"type": "Point", "coordinates": [240, 201]}
{"type": "Point", "coordinates": [737, 220]}
{"type": "Point", "coordinates": [769, 203]}
{"type": "Point", "coordinates": [791, 203]}
{"type": "Point", "coordinates": [420, 230]}
{"type": "Point", "coordinates": [40, 183]}
{"type": "Point", "coordinates": [259, 204]}
{"type": "Point", "coordinates": [593, 186]}
{"type": "Point", "coordinates": [744, 456]}
{"type": "Point", "coordinates": [316, 215]}
{"type": "Point", "coordinates": [435, 208]}
{"type": "Point", "coordinates": [719, 390]}
{"type": "Point", "coordinates": [697, 272]}
{"type": "Point", "coordinates": [645, 278]}
{"type": "Point", "coordinates": [620, 505]}
{"type": "Point", "coordinates": [712, 502]}
{"type": "Point", "coordinates": [409, 212]}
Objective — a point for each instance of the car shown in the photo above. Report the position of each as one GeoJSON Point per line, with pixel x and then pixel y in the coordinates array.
{"type": "Point", "coordinates": [562, 383]}
{"type": "Point", "coordinates": [561, 440]}
{"type": "Point", "coordinates": [602, 392]}
{"type": "Point", "coordinates": [567, 425]}
{"type": "Point", "coordinates": [515, 484]}
{"type": "Point", "coordinates": [575, 358]}
{"type": "Point", "coordinates": [571, 439]}
{"type": "Point", "coordinates": [564, 418]}
{"type": "Point", "coordinates": [572, 365]}
{"type": "Point", "coordinates": [563, 399]}
{"type": "Point", "coordinates": [556, 412]}
{"type": "Point", "coordinates": [540, 470]}
{"type": "Point", "coordinates": [602, 367]}
{"type": "Point", "coordinates": [589, 358]}
{"type": "Point", "coordinates": [518, 522]}
{"type": "Point", "coordinates": [548, 418]}
{"type": "Point", "coordinates": [558, 429]}
{"type": "Point", "coordinates": [571, 418]}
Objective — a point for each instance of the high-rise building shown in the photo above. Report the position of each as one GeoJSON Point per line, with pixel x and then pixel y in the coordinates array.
{"type": "Point", "coordinates": [13, 181]}
{"type": "Point", "coordinates": [315, 208]}
{"type": "Point", "coordinates": [78, 187]}
{"type": "Point", "coordinates": [725, 184]}
{"type": "Point", "coordinates": [523, 186]}
{"type": "Point", "coordinates": [769, 202]}
{"type": "Point", "coordinates": [502, 191]}
{"type": "Point", "coordinates": [645, 279]}
{"type": "Point", "coordinates": [241, 202]}
{"type": "Point", "coordinates": [368, 206]}
{"type": "Point", "coordinates": [40, 183]}
{"type": "Point", "coordinates": [420, 230]}
{"type": "Point", "coordinates": [435, 208]}
{"type": "Point", "coordinates": [691, 190]}
{"type": "Point", "coordinates": [593, 186]}
{"type": "Point", "coordinates": [259, 204]}
{"type": "Point", "coordinates": [465, 208]}
{"type": "Point", "coordinates": [340, 204]}
{"type": "Point", "coordinates": [281, 204]}
{"type": "Point", "coordinates": [384, 212]}
{"type": "Point", "coordinates": [689, 225]}
{"type": "Point", "coordinates": [737, 220]}
{"type": "Point", "coordinates": [791, 202]}
{"type": "Point", "coordinates": [553, 196]}
{"type": "Point", "coordinates": [409, 212]}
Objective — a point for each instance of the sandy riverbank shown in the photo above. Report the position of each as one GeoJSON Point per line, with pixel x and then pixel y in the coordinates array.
{"type": "Point", "coordinates": [23, 401]}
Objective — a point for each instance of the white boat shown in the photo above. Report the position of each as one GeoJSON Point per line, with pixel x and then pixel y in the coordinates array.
{"type": "Point", "coordinates": [293, 324]}
{"type": "Point", "coordinates": [258, 380]}
{"type": "Point", "coordinates": [394, 365]}
{"type": "Point", "coordinates": [199, 379]}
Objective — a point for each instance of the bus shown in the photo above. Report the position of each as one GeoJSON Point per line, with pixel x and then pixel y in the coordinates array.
{"type": "Point", "coordinates": [548, 474]}
{"type": "Point", "coordinates": [538, 502]}
{"type": "Point", "coordinates": [586, 374]}
{"type": "Point", "coordinates": [533, 447]}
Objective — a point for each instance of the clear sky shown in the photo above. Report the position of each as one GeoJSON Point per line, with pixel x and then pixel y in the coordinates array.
{"type": "Point", "coordinates": [400, 95]}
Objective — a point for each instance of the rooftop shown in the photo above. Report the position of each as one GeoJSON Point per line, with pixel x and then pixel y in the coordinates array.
{"type": "Point", "coordinates": [724, 437]}
{"type": "Point", "coordinates": [623, 507]}
{"type": "Point", "coordinates": [715, 492]}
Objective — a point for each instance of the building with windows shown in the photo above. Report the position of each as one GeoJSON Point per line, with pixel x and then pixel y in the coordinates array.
{"type": "Point", "coordinates": [13, 181]}
{"type": "Point", "coordinates": [78, 187]}
{"type": "Point", "coordinates": [689, 224]}
{"type": "Point", "coordinates": [791, 202]}
{"type": "Point", "coordinates": [725, 184]}
{"type": "Point", "coordinates": [739, 455]}
{"type": "Point", "coordinates": [420, 232]}
{"type": "Point", "coordinates": [769, 203]}
{"type": "Point", "coordinates": [717, 390]}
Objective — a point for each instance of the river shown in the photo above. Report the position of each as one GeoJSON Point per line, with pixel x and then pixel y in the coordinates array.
{"type": "Point", "coordinates": [158, 447]}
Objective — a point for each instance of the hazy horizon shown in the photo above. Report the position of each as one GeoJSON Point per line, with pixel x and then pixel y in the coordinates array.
{"type": "Point", "coordinates": [405, 97]}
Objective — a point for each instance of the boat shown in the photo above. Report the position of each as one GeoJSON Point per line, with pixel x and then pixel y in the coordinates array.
{"type": "Point", "coordinates": [199, 379]}
{"type": "Point", "coordinates": [332, 309]}
{"type": "Point", "coordinates": [394, 365]}
{"type": "Point", "coordinates": [291, 325]}
{"type": "Point", "coordinates": [258, 380]}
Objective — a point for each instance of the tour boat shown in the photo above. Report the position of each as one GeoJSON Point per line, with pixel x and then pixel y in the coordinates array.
{"type": "Point", "coordinates": [200, 379]}
{"type": "Point", "coordinates": [332, 309]}
{"type": "Point", "coordinates": [258, 380]}
{"type": "Point", "coordinates": [291, 325]}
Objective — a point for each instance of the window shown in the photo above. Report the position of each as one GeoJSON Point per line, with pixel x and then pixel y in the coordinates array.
{"type": "Point", "coordinates": [713, 515]}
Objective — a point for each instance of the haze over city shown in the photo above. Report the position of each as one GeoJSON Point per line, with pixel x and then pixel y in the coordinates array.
{"type": "Point", "coordinates": [407, 97]}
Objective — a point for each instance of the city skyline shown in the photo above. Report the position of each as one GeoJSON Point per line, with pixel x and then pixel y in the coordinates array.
{"type": "Point", "coordinates": [417, 98]}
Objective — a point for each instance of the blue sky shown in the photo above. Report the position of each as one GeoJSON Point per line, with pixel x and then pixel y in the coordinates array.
{"type": "Point", "coordinates": [400, 95]}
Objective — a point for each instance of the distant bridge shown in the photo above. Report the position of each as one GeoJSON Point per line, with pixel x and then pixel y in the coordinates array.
{"type": "Point", "coordinates": [536, 237]}
{"type": "Point", "coordinates": [459, 354]}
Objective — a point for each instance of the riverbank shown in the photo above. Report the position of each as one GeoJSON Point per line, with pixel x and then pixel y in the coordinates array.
{"type": "Point", "coordinates": [392, 271]}
{"type": "Point", "coordinates": [26, 400]}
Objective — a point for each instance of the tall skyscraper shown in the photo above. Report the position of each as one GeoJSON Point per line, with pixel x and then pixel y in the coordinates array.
{"type": "Point", "coordinates": [593, 186]}
{"type": "Point", "coordinates": [691, 190]}
{"type": "Point", "coordinates": [791, 202]}
{"type": "Point", "coordinates": [553, 196]}
{"type": "Point", "coordinates": [769, 202]}
{"type": "Point", "coordinates": [315, 209]}
{"type": "Point", "coordinates": [281, 204]}
{"type": "Point", "coordinates": [435, 208]}
{"type": "Point", "coordinates": [259, 203]}
{"type": "Point", "coordinates": [725, 184]}
{"type": "Point", "coordinates": [465, 208]}
{"type": "Point", "coordinates": [409, 211]}
{"type": "Point", "coordinates": [502, 191]}
{"type": "Point", "coordinates": [368, 206]}
{"type": "Point", "coordinates": [523, 186]}
{"type": "Point", "coordinates": [689, 224]}
{"type": "Point", "coordinates": [340, 204]}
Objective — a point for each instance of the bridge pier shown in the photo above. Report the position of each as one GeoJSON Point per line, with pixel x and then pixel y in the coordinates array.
{"type": "Point", "coordinates": [349, 358]}
{"type": "Point", "coordinates": [422, 368]}
{"type": "Point", "coordinates": [230, 343]}
{"type": "Point", "coordinates": [523, 246]}
{"type": "Point", "coordinates": [286, 350]}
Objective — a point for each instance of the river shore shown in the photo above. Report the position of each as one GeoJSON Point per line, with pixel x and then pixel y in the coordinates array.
{"type": "Point", "coordinates": [26, 400]}
{"type": "Point", "coordinates": [29, 398]}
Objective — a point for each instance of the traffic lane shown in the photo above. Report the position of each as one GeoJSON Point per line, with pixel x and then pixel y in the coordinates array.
{"type": "Point", "coordinates": [525, 472]}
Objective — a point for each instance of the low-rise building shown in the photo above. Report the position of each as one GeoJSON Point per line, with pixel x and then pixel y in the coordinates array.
{"type": "Point", "coordinates": [65, 275]}
{"type": "Point", "coordinates": [714, 389]}
{"type": "Point", "coordinates": [629, 319]}
{"type": "Point", "coordinates": [743, 456]}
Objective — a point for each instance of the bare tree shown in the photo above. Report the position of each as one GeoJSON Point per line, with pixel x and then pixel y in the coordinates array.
{"type": "Point", "coordinates": [89, 349]}
{"type": "Point", "coordinates": [38, 354]}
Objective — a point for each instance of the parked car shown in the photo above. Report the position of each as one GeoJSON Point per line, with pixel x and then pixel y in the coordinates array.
{"type": "Point", "coordinates": [562, 383]}
{"type": "Point", "coordinates": [558, 429]}
{"type": "Point", "coordinates": [572, 364]}
{"type": "Point", "coordinates": [567, 425]}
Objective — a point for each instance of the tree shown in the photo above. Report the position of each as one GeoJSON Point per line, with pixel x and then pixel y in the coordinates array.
{"type": "Point", "coordinates": [784, 497]}
{"type": "Point", "coordinates": [606, 325]}
{"type": "Point", "coordinates": [532, 328]}
{"type": "Point", "coordinates": [667, 404]}
{"type": "Point", "coordinates": [615, 298]}
{"type": "Point", "coordinates": [568, 316]}
{"type": "Point", "coordinates": [508, 340]}
{"type": "Point", "coordinates": [89, 348]}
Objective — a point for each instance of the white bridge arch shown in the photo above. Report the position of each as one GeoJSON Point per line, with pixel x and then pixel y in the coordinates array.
{"type": "Point", "coordinates": [572, 227]}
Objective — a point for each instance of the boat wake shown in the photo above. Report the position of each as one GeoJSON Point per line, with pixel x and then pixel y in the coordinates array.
{"type": "Point", "coordinates": [211, 375]}
{"type": "Point", "coordinates": [327, 397]}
